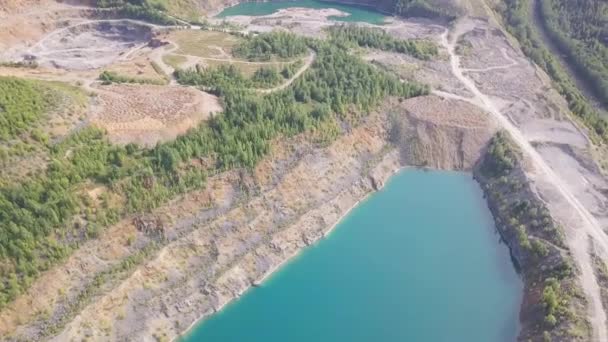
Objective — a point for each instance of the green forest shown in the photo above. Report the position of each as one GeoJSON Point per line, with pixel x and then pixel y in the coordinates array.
{"type": "Point", "coordinates": [217, 79]}
{"type": "Point", "coordinates": [426, 9]}
{"type": "Point", "coordinates": [151, 11]}
{"type": "Point", "coordinates": [45, 215]}
{"type": "Point", "coordinates": [21, 104]}
{"type": "Point", "coordinates": [276, 44]}
{"type": "Point", "coordinates": [515, 14]}
{"type": "Point", "coordinates": [347, 35]}
{"type": "Point", "coordinates": [579, 28]}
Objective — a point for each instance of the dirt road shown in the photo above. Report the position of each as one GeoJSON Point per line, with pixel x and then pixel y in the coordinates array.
{"type": "Point", "coordinates": [307, 64]}
{"type": "Point", "coordinates": [579, 241]}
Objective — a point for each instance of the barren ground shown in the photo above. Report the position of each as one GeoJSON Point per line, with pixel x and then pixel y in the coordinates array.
{"type": "Point", "coordinates": [146, 114]}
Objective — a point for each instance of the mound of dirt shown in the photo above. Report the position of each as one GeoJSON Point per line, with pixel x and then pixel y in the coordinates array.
{"type": "Point", "coordinates": [147, 114]}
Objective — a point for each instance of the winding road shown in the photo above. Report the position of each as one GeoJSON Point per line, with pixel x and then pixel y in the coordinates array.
{"type": "Point", "coordinates": [307, 64]}
{"type": "Point", "coordinates": [158, 54]}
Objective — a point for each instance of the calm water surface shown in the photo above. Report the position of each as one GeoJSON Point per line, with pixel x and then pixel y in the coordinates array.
{"type": "Point", "coordinates": [359, 14]}
{"type": "Point", "coordinates": [417, 261]}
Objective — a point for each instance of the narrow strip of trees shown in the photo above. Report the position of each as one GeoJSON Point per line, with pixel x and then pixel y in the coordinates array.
{"type": "Point", "coordinates": [376, 38]}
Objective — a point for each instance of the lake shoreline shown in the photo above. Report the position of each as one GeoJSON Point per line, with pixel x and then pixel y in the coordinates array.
{"type": "Point", "coordinates": [331, 229]}
{"type": "Point", "coordinates": [390, 159]}
{"type": "Point", "coordinates": [349, 11]}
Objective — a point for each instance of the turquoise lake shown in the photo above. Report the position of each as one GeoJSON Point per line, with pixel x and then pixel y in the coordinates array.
{"type": "Point", "coordinates": [356, 14]}
{"type": "Point", "coordinates": [418, 261]}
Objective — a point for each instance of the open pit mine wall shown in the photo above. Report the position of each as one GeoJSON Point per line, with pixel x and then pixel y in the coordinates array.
{"type": "Point", "coordinates": [314, 192]}
{"type": "Point", "coordinates": [523, 230]}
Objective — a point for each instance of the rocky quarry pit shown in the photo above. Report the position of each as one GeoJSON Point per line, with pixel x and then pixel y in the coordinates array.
{"type": "Point", "coordinates": [88, 45]}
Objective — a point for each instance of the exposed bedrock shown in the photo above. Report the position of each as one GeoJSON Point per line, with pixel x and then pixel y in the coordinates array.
{"type": "Point", "coordinates": [227, 237]}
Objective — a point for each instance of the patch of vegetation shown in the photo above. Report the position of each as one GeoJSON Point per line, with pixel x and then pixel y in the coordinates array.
{"type": "Point", "coordinates": [277, 43]}
{"type": "Point", "coordinates": [378, 39]}
{"type": "Point", "coordinates": [184, 9]}
{"type": "Point", "coordinates": [425, 9]}
{"type": "Point", "coordinates": [23, 64]}
{"type": "Point", "coordinates": [290, 69]}
{"type": "Point", "coordinates": [579, 28]}
{"type": "Point", "coordinates": [109, 77]}
{"type": "Point", "coordinates": [515, 15]}
{"type": "Point", "coordinates": [215, 79]}
{"type": "Point", "coordinates": [175, 61]}
{"type": "Point", "coordinates": [28, 124]}
{"type": "Point", "coordinates": [204, 43]}
{"type": "Point", "coordinates": [553, 301]}
{"type": "Point", "coordinates": [266, 77]}
{"type": "Point", "coordinates": [229, 75]}
{"type": "Point", "coordinates": [147, 10]}
{"type": "Point", "coordinates": [21, 105]}
{"type": "Point", "coordinates": [503, 155]}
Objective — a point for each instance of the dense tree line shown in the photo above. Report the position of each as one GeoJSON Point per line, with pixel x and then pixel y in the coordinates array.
{"type": "Point", "coordinates": [266, 77]}
{"type": "Point", "coordinates": [426, 9]}
{"type": "Point", "coordinates": [152, 11]}
{"type": "Point", "coordinates": [46, 215]}
{"type": "Point", "coordinates": [536, 242]}
{"type": "Point", "coordinates": [217, 79]}
{"type": "Point", "coordinates": [214, 79]}
{"type": "Point", "coordinates": [147, 13]}
{"type": "Point", "coordinates": [290, 69]}
{"type": "Point", "coordinates": [516, 17]}
{"type": "Point", "coordinates": [502, 157]}
{"type": "Point", "coordinates": [262, 47]}
{"type": "Point", "coordinates": [579, 28]}
{"type": "Point", "coordinates": [378, 39]}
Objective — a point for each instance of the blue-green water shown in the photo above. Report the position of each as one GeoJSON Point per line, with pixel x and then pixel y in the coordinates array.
{"type": "Point", "coordinates": [356, 14]}
{"type": "Point", "coordinates": [417, 261]}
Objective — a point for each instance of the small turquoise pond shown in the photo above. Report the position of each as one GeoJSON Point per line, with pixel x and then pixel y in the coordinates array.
{"type": "Point", "coordinates": [356, 14]}
{"type": "Point", "coordinates": [418, 261]}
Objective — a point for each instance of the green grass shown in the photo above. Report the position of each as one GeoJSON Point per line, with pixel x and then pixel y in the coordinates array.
{"type": "Point", "coordinates": [202, 43]}
{"type": "Point", "coordinates": [246, 68]}
{"type": "Point", "coordinates": [183, 9]}
{"type": "Point", "coordinates": [111, 77]}
{"type": "Point", "coordinates": [22, 105]}
{"type": "Point", "coordinates": [175, 61]}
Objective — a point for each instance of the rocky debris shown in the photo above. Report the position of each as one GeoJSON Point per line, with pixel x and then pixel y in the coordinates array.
{"type": "Point", "coordinates": [441, 134]}
{"type": "Point", "coordinates": [151, 226]}
{"type": "Point", "coordinates": [156, 42]}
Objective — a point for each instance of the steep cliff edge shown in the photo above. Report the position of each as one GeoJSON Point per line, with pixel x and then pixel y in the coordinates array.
{"type": "Point", "coordinates": [554, 306]}
{"type": "Point", "coordinates": [241, 228]}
